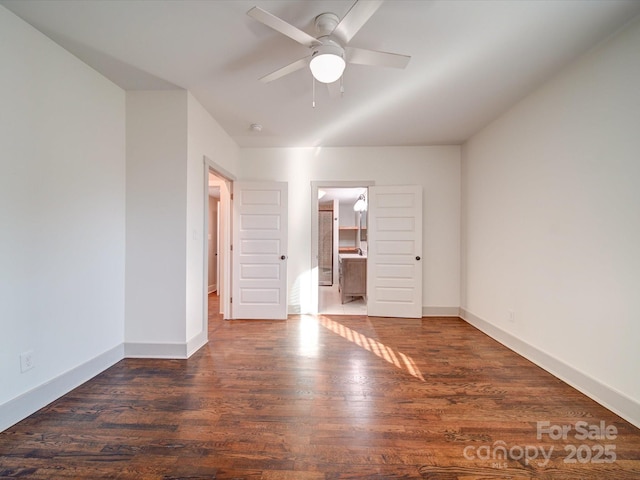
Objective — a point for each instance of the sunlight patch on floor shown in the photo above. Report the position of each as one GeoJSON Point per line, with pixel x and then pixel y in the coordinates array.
{"type": "Point", "coordinates": [396, 358]}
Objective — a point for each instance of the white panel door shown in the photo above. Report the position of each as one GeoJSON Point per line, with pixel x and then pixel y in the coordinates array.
{"type": "Point", "coordinates": [394, 265]}
{"type": "Point", "coordinates": [259, 250]}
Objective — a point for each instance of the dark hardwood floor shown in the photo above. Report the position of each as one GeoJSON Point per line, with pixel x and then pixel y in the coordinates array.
{"type": "Point", "coordinates": [326, 398]}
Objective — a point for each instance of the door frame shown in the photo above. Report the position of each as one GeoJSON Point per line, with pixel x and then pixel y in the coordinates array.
{"type": "Point", "coordinates": [216, 252]}
{"type": "Point", "coordinates": [315, 186]}
{"type": "Point", "coordinates": [224, 236]}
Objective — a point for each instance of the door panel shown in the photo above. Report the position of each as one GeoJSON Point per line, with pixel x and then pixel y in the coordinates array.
{"type": "Point", "coordinates": [394, 278]}
{"type": "Point", "coordinates": [260, 243]}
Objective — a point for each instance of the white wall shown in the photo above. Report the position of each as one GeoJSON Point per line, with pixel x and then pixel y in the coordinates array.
{"type": "Point", "coordinates": [156, 220]}
{"type": "Point", "coordinates": [68, 164]}
{"type": "Point", "coordinates": [205, 138]}
{"type": "Point", "coordinates": [168, 135]}
{"type": "Point", "coordinates": [551, 217]}
{"type": "Point", "coordinates": [437, 169]}
{"type": "Point", "coordinates": [62, 247]}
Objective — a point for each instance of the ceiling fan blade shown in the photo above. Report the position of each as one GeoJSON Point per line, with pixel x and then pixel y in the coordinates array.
{"type": "Point", "coordinates": [283, 27]}
{"type": "Point", "coordinates": [360, 56]}
{"type": "Point", "coordinates": [286, 70]}
{"type": "Point", "coordinates": [356, 17]}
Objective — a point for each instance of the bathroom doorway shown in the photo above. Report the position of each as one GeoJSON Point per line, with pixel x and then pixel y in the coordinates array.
{"type": "Point", "coordinates": [342, 250]}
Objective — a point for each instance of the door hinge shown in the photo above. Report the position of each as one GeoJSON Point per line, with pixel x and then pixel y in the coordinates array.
{"type": "Point", "coordinates": [232, 247]}
{"type": "Point", "coordinates": [231, 300]}
{"type": "Point", "coordinates": [231, 196]}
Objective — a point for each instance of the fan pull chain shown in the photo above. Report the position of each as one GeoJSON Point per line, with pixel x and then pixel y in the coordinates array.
{"type": "Point", "coordinates": [342, 86]}
{"type": "Point", "coordinates": [313, 89]}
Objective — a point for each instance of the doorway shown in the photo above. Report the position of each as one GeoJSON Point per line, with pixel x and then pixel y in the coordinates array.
{"type": "Point", "coordinates": [218, 185]}
{"type": "Point", "coordinates": [341, 245]}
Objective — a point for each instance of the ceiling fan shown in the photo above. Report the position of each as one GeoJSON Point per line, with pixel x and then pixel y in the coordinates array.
{"type": "Point", "coordinates": [329, 50]}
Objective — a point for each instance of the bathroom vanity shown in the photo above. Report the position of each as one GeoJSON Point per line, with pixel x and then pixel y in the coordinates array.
{"type": "Point", "coordinates": [353, 276]}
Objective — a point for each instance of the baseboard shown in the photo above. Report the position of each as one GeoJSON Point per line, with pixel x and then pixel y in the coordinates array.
{"type": "Point", "coordinates": [30, 402]}
{"type": "Point", "coordinates": [197, 342]}
{"type": "Point", "coordinates": [212, 288]}
{"type": "Point", "coordinates": [426, 311]}
{"type": "Point", "coordinates": [176, 350]}
{"type": "Point", "coordinates": [440, 311]}
{"type": "Point", "coordinates": [155, 350]}
{"type": "Point", "coordinates": [609, 397]}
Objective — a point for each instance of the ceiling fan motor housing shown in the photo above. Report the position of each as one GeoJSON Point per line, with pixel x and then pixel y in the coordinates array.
{"type": "Point", "coordinates": [328, 47]}
{"type": "Point", "coordinates": [326, 23]}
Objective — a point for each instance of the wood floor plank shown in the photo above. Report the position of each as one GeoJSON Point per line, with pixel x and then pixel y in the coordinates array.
{"type": "Point", "coordinates": [326, 397]}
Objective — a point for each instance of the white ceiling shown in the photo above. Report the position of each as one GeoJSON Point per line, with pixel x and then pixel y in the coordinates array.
{"type": "Point", "coordinates": [470, 61]}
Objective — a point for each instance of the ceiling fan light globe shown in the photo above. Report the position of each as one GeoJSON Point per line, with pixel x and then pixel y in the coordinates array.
{"type": "Point", "coordinates": [327, 67]}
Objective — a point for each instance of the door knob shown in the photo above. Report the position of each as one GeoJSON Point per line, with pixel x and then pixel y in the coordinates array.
{"type": "Point", "coordinates": [417, 258]}
{"type": "Point", "coordinates": [283, 257]}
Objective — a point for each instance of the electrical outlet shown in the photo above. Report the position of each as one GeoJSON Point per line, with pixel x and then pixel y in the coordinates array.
{"type": "Point", "coordinates": [512, 316]}
{"type": "Point", "coordinates": [26, 361]}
